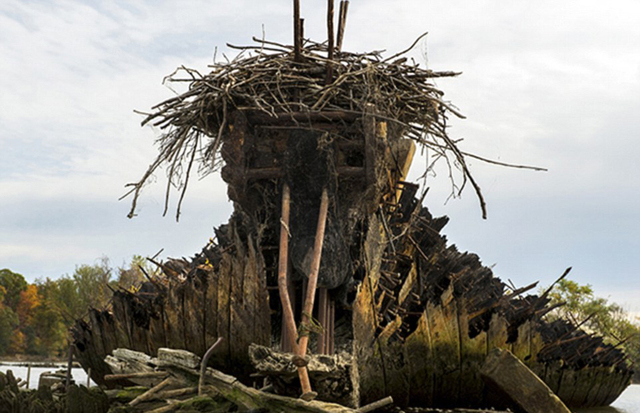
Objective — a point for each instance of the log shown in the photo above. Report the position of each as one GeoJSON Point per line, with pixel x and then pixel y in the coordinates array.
{"type": "Point", "coordinates": [148, 395]}
{"type": "Point", "coordinates": [169, 356]}
{"type": "Point", "coordinates": [142, 375]}
{"type": "Point", "coordinates": [522, 389]}
{"type": "Point", "coordinates": [230, 388]}
{"type": "Point", "coordinates": [178, 362]}
{"type": "Point", "coordinates": [372, 407]}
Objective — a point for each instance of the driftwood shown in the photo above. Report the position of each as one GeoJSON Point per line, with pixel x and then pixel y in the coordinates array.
{"type": "Point", "coordinates": [179, 365]}
{"type": "Point", "coordinates": [523, 390]}
{"type": "Point", "coordinates": [148, 395]}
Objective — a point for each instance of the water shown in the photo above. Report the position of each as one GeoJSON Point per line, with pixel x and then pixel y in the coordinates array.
{"type": "Point", "coordinates": [628, 402]}
{"type": "Point", "coordinates": [20, 370]}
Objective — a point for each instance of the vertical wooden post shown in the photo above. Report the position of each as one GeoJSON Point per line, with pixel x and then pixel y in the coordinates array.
{"type": "Point", "coordinates": [330, 44]}
{"type": "Point", "coordinates": [332, 326]}
{"type": "Point", "coordinates": [69, 365]}
{"type": "Point", "coordinates": [322, 319]}
{"type": "Point", "coordinates": [28, 374]}
{"type": "Point", "coordinates": [342, 22]}
{"type": "Point", "coordinates": [296, 30]}
{"type": "Point", "coordinates": [89, 378]}
{"type": "Point", "coordinates": [283, 259]}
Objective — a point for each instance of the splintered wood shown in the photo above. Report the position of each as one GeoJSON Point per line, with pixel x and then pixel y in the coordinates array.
{"type": "Point", "coordinates": [179, 385]}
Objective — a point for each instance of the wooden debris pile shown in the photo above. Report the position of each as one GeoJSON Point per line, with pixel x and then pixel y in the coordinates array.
{"type": "Point", "coordinates": [173, 380]}
{"type": "Point", "coordinates": [14, 398]}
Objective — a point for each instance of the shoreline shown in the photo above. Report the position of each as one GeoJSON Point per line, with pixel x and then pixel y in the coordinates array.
{"type": "Point", "coordinates": [37, 363]}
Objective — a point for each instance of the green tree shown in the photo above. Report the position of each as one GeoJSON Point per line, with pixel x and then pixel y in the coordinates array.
{"type": "Point", "coordinates": [598, 315]}
{"type": "Point", "coordinates": [48, 324]}
{"type": "Point", "coordinates": [131, 277]}
{"type": "Point", "coordinates": [8, 323]}
{"type": "Point", "coordinates": [13, 284]}
{"type": "Point", "coordinates": [92, 284]}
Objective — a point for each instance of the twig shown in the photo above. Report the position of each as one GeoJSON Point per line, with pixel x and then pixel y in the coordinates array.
{"type": "Point", "coordinates": [204, 362]}
{"type": "Point", "coordinates": [371, 407]}
{"type": "Point", "coordinates": [406, 50]}
{"type": "Point", "coordinates": [151, 392]}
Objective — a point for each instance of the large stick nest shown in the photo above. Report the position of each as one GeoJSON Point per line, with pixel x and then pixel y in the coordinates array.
{"type": "Point", "coordinates": [268, 78]}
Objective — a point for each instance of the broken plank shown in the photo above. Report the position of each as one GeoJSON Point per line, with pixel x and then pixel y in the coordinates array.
{"type": "Point", "coordinates": [521, 388]}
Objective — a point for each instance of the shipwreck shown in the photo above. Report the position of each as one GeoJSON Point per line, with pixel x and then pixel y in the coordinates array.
{"type": "Point", "coordinates": [330, 251]}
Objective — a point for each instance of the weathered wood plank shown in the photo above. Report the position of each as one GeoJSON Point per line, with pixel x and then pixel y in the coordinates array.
{"type": "Point", "coordinates": [524, 390]}
{"type": "Point", "coordinates": [138, 331]}
{"type": "Point", "coordinates": [567, 385]}
{"type": "Point", "coordinates": [239, 325]}
{"type": "Point", "coordinates": [122, 324]}
{"type": "Point", "coordinates": [157, 336]}
{"type": "Point", "coordinates": [446, 349]}
{"type": "Point", "coordinates": [392, 356]}
{"type": "Point", "coordinates": [598, 380]}
{"type": "Point", "coordinates": [192, 311]}
{"type": "Point", "coordinates": [211, 313]}
{"type": "Point", "coordinates": [96, 330]}
{"type": "Point", "coordinates": [473, 355]}
{"type": "Point", "coordinates": [108, 331]}
{"type": "Point", "coordinates": [419, 356]}
{"type": "Point", "coordinates": [223, 315]}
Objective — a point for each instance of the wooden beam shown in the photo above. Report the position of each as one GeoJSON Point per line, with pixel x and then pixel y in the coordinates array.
{"type": "Point", "coordinates": [342, 22]}
{"type": "Point", "coordinates": [322, 319]}
{"type": "Point", "coordinates": [296, 30]}
{"type": "Point", "coordinates": [330, 42]}
{"type": "Point", "coordinates": [257, 117]}
{"type": "Point", "coordinates": [521, 388]}
{"type": "Point", "coordinates": [274, 173]}
{"type": "Point", "coordinates": [287, 310]}
{"type": "Point", "coordinates": [313, 278]}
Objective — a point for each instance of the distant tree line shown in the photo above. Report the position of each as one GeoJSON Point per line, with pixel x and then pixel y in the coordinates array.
{"type": "Point", "coordinates": [35, 318]}
{"type": "Point", "coordinates": [599, 316]}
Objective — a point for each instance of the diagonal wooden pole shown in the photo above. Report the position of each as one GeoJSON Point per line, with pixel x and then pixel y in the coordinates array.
{"type": "Point", "coordinates": [287, 310]}
{"type": "Point", "coordinates": [307, 310]}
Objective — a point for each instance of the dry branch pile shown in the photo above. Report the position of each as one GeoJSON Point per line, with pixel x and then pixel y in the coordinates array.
{"type": "Point", "coordinates": [268, 79]}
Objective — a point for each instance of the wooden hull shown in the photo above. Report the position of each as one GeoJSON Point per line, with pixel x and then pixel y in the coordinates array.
{"type": "Point", "coordinates": [191, 307]}
{"type": "Point", "coordinates": [426, 316]}
{"type": "Point", "coordinates": [423, 319]}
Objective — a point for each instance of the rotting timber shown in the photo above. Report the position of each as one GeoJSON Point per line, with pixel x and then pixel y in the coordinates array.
{"type": "Point", "coordinates": [416, 316]}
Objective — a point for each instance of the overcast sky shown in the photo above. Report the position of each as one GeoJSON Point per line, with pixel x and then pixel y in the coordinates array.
{"type": "Point", "coordinates": [546, 83]}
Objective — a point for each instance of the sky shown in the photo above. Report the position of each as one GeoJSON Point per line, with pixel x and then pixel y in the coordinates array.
{"type": "Point", "coordinates": [546, 83]}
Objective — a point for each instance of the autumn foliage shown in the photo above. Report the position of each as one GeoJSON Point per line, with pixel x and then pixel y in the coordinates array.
{"type": "Point", "coordinates": [35, 318]}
